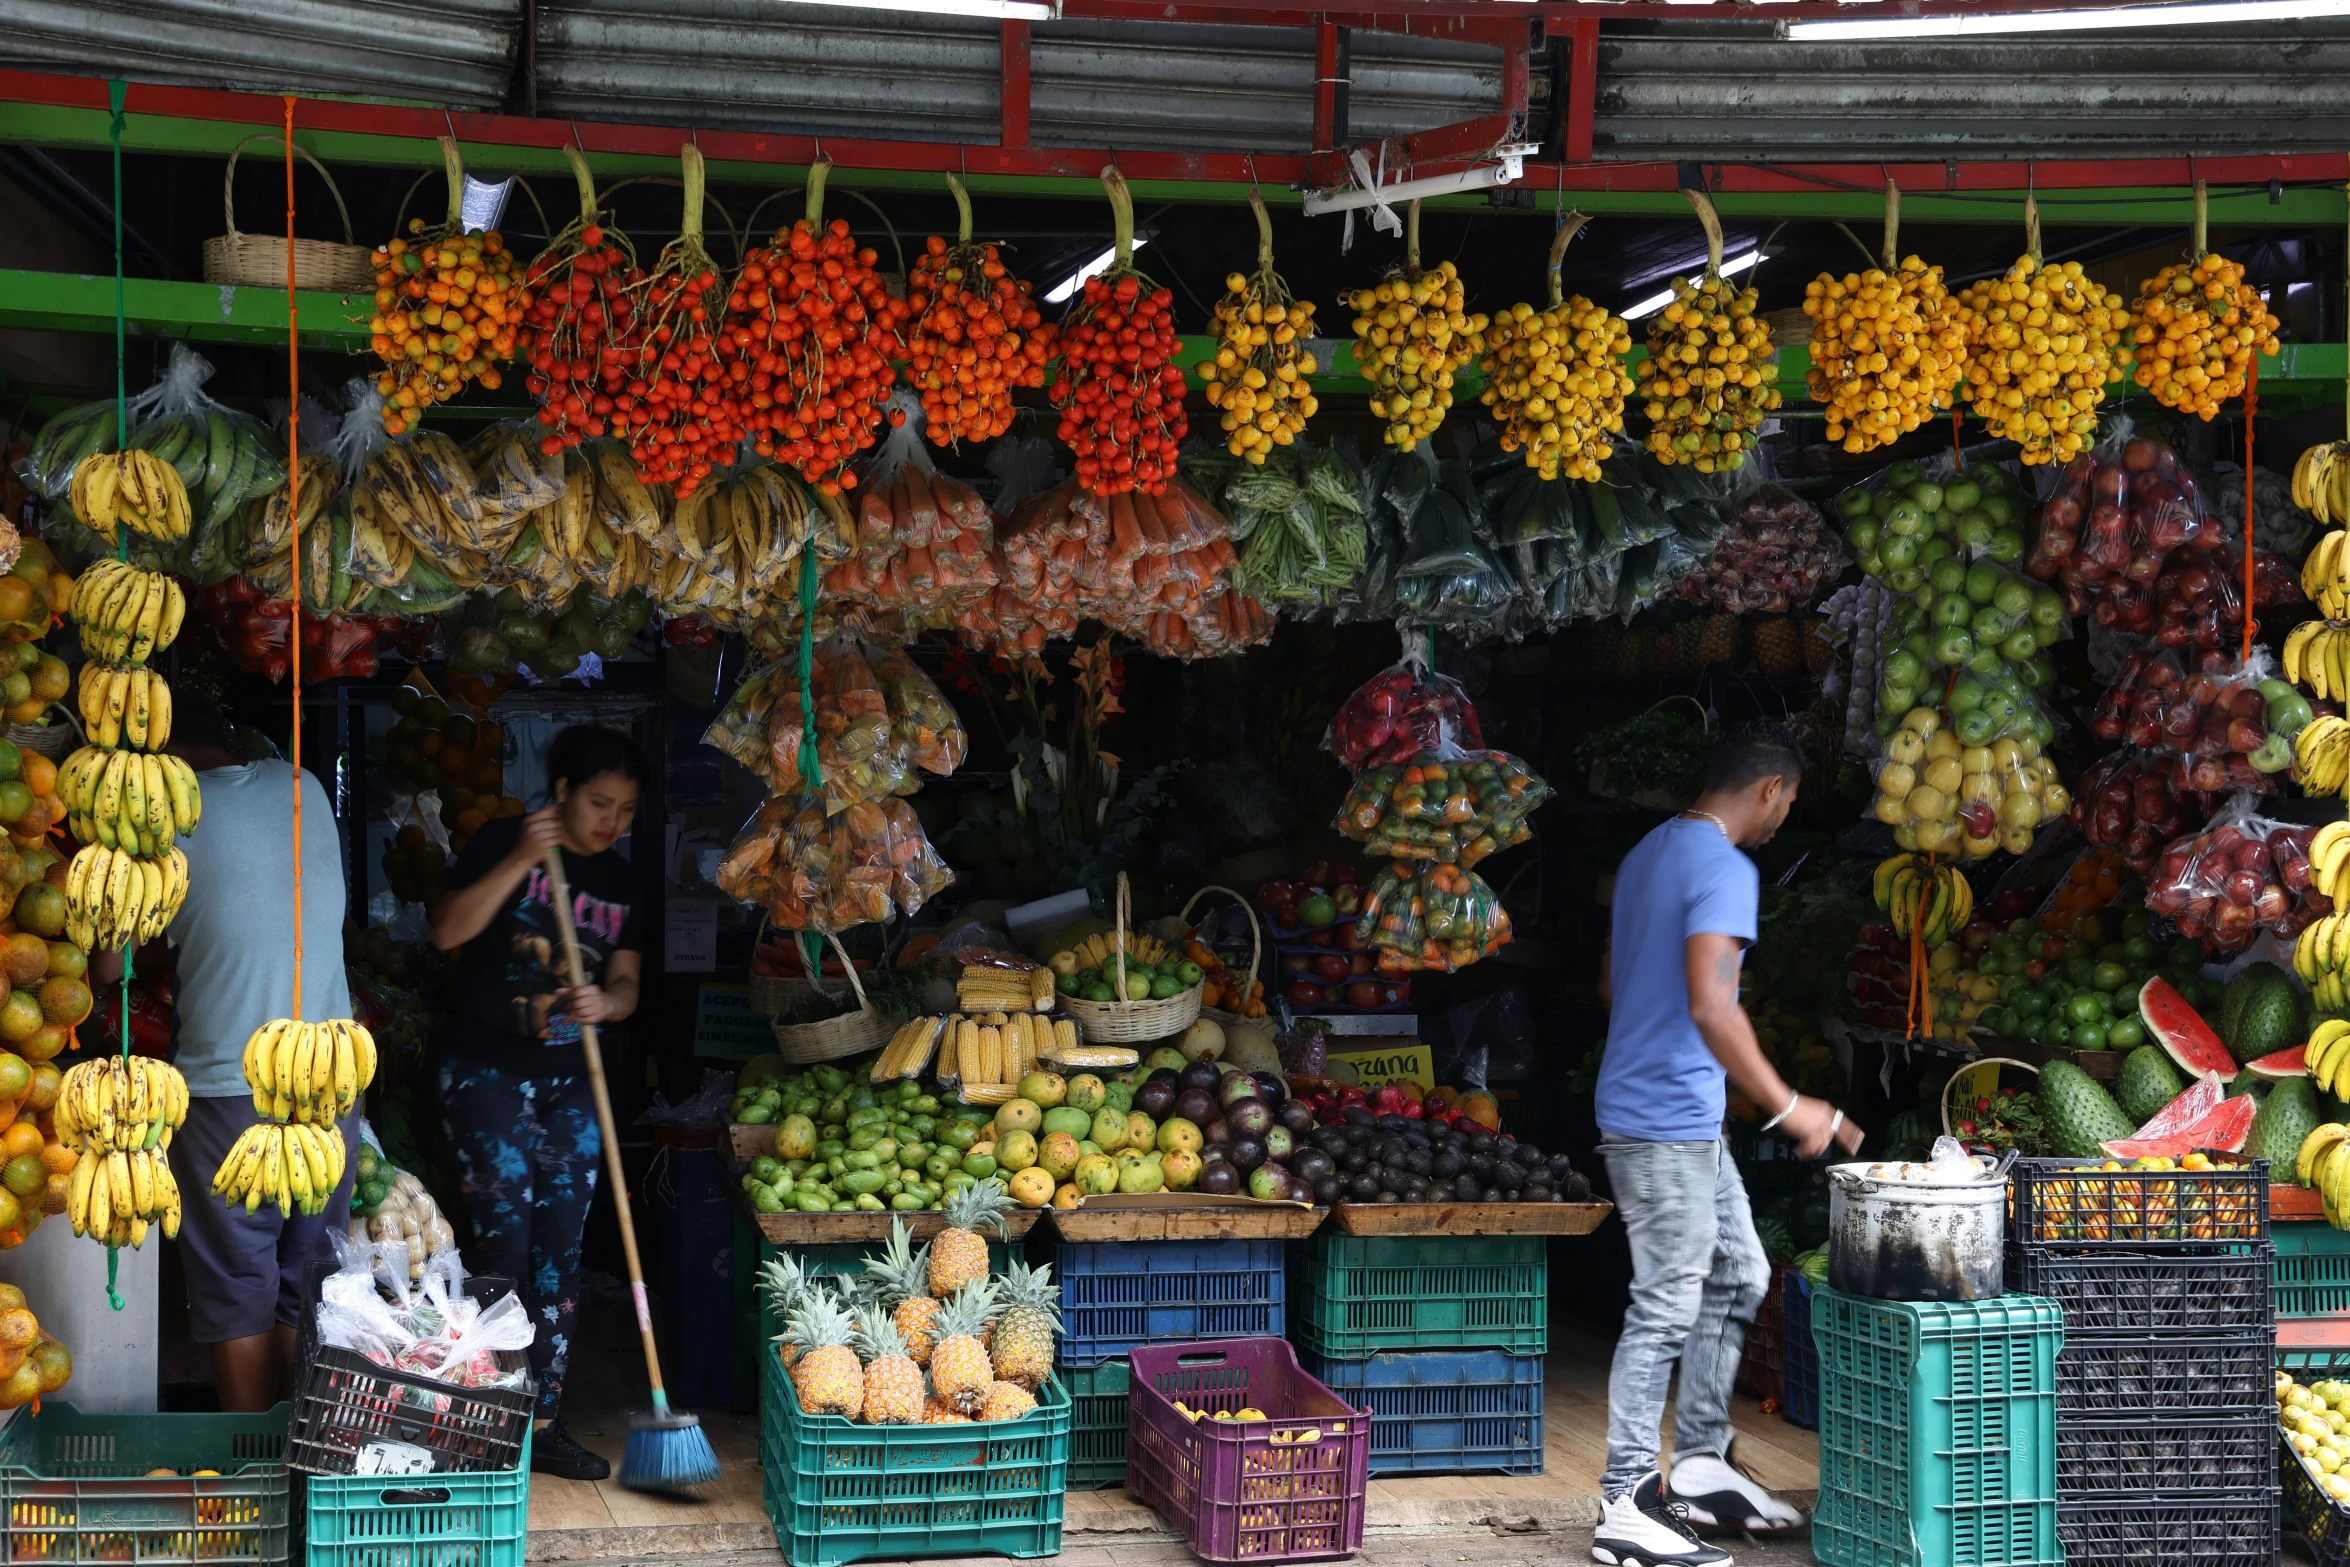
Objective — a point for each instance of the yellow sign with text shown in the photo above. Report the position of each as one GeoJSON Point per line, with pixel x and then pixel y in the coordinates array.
{"type": "Point", "coordinates": [1394, 1063]}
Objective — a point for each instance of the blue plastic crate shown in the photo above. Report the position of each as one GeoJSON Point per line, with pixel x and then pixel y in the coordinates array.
{"type": "Point", "coordinates": [435, 1520]}
{"type": "Point", "coordinates": [1116, 1295]}
{"type": "Point", "coordinates": [1435, 1411]}
{"type": "Point", "coordinates": [1937, 1432]}
{"type": "Point", "coordinates": [1799, 1392]}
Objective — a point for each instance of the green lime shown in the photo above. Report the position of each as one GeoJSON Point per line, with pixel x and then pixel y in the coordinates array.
{"type": "Point", "coordinates": [2089, 1036]}
{"type": "Point", "coordinates": [2125, 1033]}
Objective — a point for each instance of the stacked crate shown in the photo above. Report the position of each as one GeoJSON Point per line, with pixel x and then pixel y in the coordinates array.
{"type": "Point", "coordinates": [2165, 1404]}
{"type": "Point", "coordinates": [1441, 1337]}
{"type": "Point", "coordinates": [1119, 1295]}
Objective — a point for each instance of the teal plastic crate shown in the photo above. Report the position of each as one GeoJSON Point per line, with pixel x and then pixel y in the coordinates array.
{"type": "Point", "coordinates": [1097, 1424]}
{"type": "Point", "coordinates": [838, 1491]}
{"type": "Point", "coordinates": [435, 1520]}
{"type": "Point", "coordinates": [1354, 1296]}
{"type": "Point", "coordinates": [1937, 1432]}
{"type": "Point", "coordinates": [2313, 1268]}
{"type": "Point", "coordinates": [76, 1488]}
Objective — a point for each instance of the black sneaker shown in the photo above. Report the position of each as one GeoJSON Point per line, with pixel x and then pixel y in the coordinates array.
{"type": "Point", "coordinates": [554, 1451]}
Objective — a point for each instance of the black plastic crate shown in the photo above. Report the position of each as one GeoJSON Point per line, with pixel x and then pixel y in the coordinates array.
{"type": "Point", "coordinates": [343, 1401]}
{"type": "Point", "coordinates": [2165, 1378]}
{"type": "Point", "coordinates": [2322, 1523]}
{"type": "Point", "coordinates": [2079, 1204]}
{"type": "Point", "coordinates": [2127, 1458]}
{"type": "Point", "coordinates": [2225, 1292]}
{"type": "Point", "coordinates": [2236, 1528]}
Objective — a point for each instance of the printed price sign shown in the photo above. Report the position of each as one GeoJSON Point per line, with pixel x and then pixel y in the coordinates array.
{"type": "Point", "coordinates": [726, 1027]}
{"type": "Point", "coordinates": [1400, 1062]}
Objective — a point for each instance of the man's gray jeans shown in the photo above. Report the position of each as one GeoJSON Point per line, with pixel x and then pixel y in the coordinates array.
{"type": "Point", "coordinates": [1699, 1274]}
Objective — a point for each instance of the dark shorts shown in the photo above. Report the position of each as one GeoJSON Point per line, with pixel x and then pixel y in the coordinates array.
{"type": "Point", "coordinates": [244, 1269]}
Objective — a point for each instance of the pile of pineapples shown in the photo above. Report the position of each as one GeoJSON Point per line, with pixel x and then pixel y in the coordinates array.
{"type": "Point", "coordinates": [926, 1336]}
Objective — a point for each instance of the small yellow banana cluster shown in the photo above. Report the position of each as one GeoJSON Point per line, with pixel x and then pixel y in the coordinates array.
{"type": "Point", "coordinates": [124, 704]}
{"type": "Point", "coordinates": [135, 490]}
{"type": "Point", "coordinates": [129, 800]}
{"type": "Point", "coordinates": [125, 613]}
{"type": "Point", "coordinates": [2321, 755]}
{"type": "Point", "coordinates": [120, 1113]}
{"type": "Point", "coordinates": [2321, 482]}
{"type": "Point", "coordinates": [115, 898]}
{"type": "Point", "coordinates": [310, 1072]}
{"type": "Point", "coordinates": [304, 1077]}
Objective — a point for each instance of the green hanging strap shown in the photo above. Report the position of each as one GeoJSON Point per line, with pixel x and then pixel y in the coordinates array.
{"type": "Point", "coordinates": [811, 781]}
{"type": "Point", "coordinates": [117, 93]}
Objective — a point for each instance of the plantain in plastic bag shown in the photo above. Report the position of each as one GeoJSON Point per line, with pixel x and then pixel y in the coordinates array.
{"type": "Point", "coordinates": [629, 504]}
{"type": "Point", "coordinates": [511, 475]}
{"type": "Point", "coordinates": [269, 524]}
{"type": "Point", "coordinates": [444, 469]}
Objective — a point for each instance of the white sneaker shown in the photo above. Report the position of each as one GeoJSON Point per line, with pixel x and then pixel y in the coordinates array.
{"type": "Point", "coordinates": [1719, 1495]}
{"type": "Point", "coordinates": [1639, 1528]}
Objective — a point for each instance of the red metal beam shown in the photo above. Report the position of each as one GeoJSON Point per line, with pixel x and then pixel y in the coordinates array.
{"type": "Point", "coordinates": [1582, 87]}
{"type": "Point", "coordinates": [1015, 85]}
{"type": "Point", "coordinates": [1417, 15]}
{"type": "Point", "coordinates": [1325, 86]}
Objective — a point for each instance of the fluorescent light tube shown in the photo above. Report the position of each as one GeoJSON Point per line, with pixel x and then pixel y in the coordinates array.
{"type": "Point", "coordinates": [1006, 10]}
{"type": "Point", "coordinates": [1656, 302]}
{"type": "Point", "coordinates": [2189, 13]}
{"type": "Point", "coordinates": [1094, 268]}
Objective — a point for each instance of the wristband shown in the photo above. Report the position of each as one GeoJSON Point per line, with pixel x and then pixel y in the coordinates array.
{"type": "Point", "coordinates": [1834, 1126]}
{"type": "Point", "coordinates": [1793, 1099]}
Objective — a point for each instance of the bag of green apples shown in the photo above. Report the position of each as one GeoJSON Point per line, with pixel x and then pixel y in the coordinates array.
{"type": "Point", "coordinates": [1900, 523]}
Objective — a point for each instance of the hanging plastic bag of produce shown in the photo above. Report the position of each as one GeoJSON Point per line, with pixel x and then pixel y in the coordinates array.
{"type": "Point", "coordinates": [1401, 712]}
{"type": "Point", "coordinates": [921, 719]}
{"type": "Point", "coordinates": [513, 473]}
{"type": "Point", "coordinates": [1431, 917]}
{"type": "Point", "coordinates": [2242, 874]}
{"type": "Point", "coordinates": [1460, 808]}
{"type": "Point", "coordinates": [87, 430]}
{"type": "Point", "coordinates": [1775, 553]}
{"type": "Point", "coordinates": [225, 459]}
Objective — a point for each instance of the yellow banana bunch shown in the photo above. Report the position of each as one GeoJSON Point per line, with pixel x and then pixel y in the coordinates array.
{"type": "Point", "coordinates": [2321, 482]}
{"type": "Point", "coordinates": [114, 898]}
{"type": "Point", "coordinates": [120, 1113]}
{"type": "Point", "coordinates": [130, 489]}
{"type": "Point", "coordinates": [295, 1167]}
{"type": "Point", "coordinates": [2321, 755]}
{"type": "Point", "coordinates": [129, 800]}
{"type": "Point", "coordinates": [2317, 655]}
{"type": "Point", "coordinates": [2324, 1162]}
{"type": "Point", "coordinates": [2327, 1055]}
{"type": "Point", "coordinates": [1916, 895]}
{"type": "Point", "coordinates": [2321, 956]}
{"type": "Point", "coordinates": [310, 1072]}
{"type": "Point", "coordinates": [123, 613]}
{"type": "Point", "coordinates": [124, 704]}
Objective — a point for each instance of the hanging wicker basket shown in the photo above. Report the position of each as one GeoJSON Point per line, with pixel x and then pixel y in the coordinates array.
{"type": "Point", "coordinates": [1256, 948]}
{"type": "Point", "coordinates": [51, 740]}
{"type": "Point", "coordinates": [805, 1044]}
{"type": "Point", "coordinates": [1132, 1022]}
{"type": "Point", "coordinates": [259, 260]}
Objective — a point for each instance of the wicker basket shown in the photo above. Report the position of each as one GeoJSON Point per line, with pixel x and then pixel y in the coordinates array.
{"type": "Point", "coordinates": [259, 260]}
{"type": "Point", "coordinates": [805, 1044]}
{"type": "Point", "coordinates": [1256, 944]}
{"type": "Point", "coordinates": [50, 740]}
{"type": "Point", "coordinates": [1131, 1022]}
{"type": "Point", "coordinates": [2003, 1062]}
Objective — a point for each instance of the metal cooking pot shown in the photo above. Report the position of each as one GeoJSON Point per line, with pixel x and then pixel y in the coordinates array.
{"type": "Point", "coordinates": [1913, 1240]}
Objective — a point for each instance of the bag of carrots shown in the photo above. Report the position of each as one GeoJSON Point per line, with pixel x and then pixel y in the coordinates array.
{"type": "Point", "coordinates": [924, 542]}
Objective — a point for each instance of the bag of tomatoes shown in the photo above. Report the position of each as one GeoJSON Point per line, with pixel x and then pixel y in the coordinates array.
{"type": "Point", "coordinates": [1401, 712]}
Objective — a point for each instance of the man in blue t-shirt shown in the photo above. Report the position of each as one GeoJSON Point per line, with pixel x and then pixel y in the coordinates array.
{"type": "Point", "coordinates": [1684, 914]}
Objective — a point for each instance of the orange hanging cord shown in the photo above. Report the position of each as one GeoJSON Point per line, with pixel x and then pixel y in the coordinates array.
{"type": "Point", "coordinates": [2251, 406]}
{"type": "Point", "coordinates": [294, 505]}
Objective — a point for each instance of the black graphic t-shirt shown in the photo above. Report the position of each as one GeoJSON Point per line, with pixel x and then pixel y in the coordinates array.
{"type": "Point", "coordinates": [505, 1010]}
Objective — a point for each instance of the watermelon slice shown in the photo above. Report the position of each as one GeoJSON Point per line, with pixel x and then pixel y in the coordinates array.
{"type": "Point", "coordinates": [2282, 1063]}
{"type": "Point", "coordinates": [2196, 1101]}
{"type": "Point", "coordinates": [2224, 1130]}
{"type": "Point", "coordinates": [2181, 1031]}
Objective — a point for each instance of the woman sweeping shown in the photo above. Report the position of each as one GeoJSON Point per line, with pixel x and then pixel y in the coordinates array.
{"type": "Point", "coordinates": [514, 1088]}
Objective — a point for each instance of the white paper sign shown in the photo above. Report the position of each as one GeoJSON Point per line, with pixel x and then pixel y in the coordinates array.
{"type": "Point", "coordinates": [691, 929]}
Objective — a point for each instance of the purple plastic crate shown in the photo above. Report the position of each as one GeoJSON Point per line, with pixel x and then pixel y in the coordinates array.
{"type": "Point", "coordinates": [1237, 1494]}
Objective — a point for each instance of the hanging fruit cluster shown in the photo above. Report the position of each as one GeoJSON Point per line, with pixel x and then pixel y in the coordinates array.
{"type": "Point", "coordinates": [2041, 343]}
{"type": "Point", "coordinates": [2198, 325]}
{"type": "Point", "coordinates": [812, 331]}
{"type": "Point", "coordinates": [1411, 334]}
{"type": "Point", "coordinates": [448, 302]}
{"type": "Point", "coordinates": [679, 412]}
{"type": "Point", "coordinates": [1887, 345]}
{"type": "Point", "coordinates": [973, 335]}
{"type": "Point", "coordinates": [579, 335]}
{"type": "Point", "coordinates": [1118, 389]}
{"type": "Point", "coordinates": [1708, 357]}
{"type": "Point", "coordinates": [1261, 375]}
{"type": "Point", "coordinates": [1555, 378]}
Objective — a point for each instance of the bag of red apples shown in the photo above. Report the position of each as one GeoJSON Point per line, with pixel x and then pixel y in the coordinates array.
{"type": "Point", "coordinates": [2241, 875]}
{"type": "Point", "coordinates": [2231, 725]}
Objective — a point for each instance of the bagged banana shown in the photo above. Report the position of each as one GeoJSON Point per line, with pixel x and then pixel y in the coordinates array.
{"type": "Point", "coordinates": [511, 475]}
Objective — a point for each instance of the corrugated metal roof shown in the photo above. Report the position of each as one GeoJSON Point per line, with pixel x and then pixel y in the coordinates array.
{"type": "Point", "coordinates": [457, 53]}
{"type": "Point", "coordinates": [1704, 90]}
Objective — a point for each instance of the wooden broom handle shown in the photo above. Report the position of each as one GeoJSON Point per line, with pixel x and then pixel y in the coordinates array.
{"type": "Point", "coordinates": [559, 892]}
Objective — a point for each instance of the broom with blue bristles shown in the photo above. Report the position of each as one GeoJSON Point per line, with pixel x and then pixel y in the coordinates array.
{"type": "Point", "coordinates": [666, 1450]}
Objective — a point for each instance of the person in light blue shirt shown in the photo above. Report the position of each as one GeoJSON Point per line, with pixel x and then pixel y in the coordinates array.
{"type": "Point", "coordinates": [1684, 914]}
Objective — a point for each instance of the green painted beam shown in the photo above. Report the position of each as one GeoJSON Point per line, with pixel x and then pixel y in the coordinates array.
{"type": "Point", "coordinates": [199, 312]}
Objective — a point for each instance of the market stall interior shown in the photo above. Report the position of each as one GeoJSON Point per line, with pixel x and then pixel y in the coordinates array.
{"type": "Point", "coordinates": [1145, 670]}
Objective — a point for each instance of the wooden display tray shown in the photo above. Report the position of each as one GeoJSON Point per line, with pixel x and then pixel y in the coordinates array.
{"type": "Point", "coordinates": [1471, 1218]}
{"type": "Point", "coordinates": [2286, 1201]}
{"type": "Point", "coordinates": [1185, 1217]}
{"type": "Point", "coordinates": [870, 1229]}
{"type": "Point", "coordinates": [748, 1142]}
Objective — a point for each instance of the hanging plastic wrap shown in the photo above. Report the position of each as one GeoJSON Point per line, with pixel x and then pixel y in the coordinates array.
{"type": "Point", "coordinates": [1459, 808]}
{"type": "Point", "coordinates": [819, 871]}
{"type": "Point", "coordinates": [1401, 712]}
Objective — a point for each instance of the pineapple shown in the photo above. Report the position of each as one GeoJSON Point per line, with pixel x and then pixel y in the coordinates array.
{"type": "Point", "coordinates": [1007, 1401]}
{"type": "Point", "coordinates": [959, 1369]}
{"type": "Point", "coordinates": [785, 1283]}
{"type": "Point", "coordinates": [893, 1383]}
{"type": "Point", "coordinates": [1020, 1342]}
{"type": "Point", "coordinates": [936, 1411]}
{"type": "Point", "coordinates": [827, 1375]}
{"type": "Point", "coordinates": [900, 1273]}
{"type": "Point", "coordinates": [959, 1255]}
